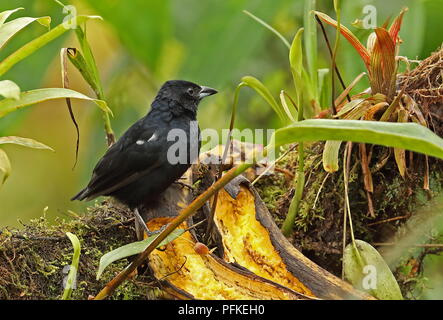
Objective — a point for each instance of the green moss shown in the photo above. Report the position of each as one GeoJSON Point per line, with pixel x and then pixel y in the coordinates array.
{"type": "Point", "coordinates": [32, 260]}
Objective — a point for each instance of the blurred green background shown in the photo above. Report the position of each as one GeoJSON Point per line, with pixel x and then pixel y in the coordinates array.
{"type": "Point", "coordinates": [139, 45]}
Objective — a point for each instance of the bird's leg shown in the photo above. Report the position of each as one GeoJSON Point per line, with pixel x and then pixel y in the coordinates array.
{"type": "Point", "coordinates": [140, 226]}
{"type": "Point", "coordinates": [184, 185]}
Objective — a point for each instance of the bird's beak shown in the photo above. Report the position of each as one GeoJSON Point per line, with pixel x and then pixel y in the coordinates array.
{"type": "Point", "coordinates": [206, 91]}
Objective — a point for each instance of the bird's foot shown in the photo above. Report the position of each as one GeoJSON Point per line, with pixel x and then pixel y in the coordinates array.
{"type": "Point", "coordinates": [184, 185]}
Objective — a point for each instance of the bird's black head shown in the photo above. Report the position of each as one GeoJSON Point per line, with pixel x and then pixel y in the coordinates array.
{"type": "Point", "coordinates": [184, 93]}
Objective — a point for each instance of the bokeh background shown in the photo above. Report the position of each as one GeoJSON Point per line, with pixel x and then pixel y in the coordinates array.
{"type": "Point", "coordinates": [139, 45]}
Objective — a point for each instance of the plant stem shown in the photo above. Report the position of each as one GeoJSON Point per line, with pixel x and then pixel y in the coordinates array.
{"type": "Point", "coordinates": [334, 55]}
{"type": "Point", "coordinates": [223, 159]}
{"type": "Point", "coordinates": [288, 224]}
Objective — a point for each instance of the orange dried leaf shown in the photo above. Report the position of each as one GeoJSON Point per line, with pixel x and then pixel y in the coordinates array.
{"type": "Point", "coordinates": [353, 40]}
{"type": "Point", "coordinates": [383, 65]}
{"type": "Point", "coordinates": [396, 25]}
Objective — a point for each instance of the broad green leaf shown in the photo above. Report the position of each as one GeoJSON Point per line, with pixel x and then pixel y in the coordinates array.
{"type": "Point", "coordinates": [408, 136]}
{"type": "Point", "coordinates": [72, 275]}
{"type": "Point", "coordinates": [39, 42]}
{"type": "Point", "coordinates": [133, 249]}
{"type": "Point", "coordinates": [40, 95]}
{"type": "Point", "coordinates": [330, 155]}
{"type": "Point", "coordinates": [9, 29]}
{"type": "Point", "coordinates": [265, 94]}
{"type": "Point", "coordinates": [367, 271]}
{"type": "Point", "coordinates": [5, 167]}
{"type": "Point", "coordinates": [9, 89]}
{"type": "Point", "coordinates": [5, 15]}
{"type": "Point", "coordinates": [25, 142]}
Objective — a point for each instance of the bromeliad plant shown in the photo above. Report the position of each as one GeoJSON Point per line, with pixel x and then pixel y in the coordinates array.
{"type": "Point", "coordinates": [383, 102]}
{"type": "Point", "coordinates": [14, 98]}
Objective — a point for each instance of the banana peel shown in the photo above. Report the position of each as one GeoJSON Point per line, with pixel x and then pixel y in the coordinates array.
{"type": "Point", "coordinates": [257, 262]}
{"type": "Point", "coordinates": [186, 274]}
{"type": "Point", "coordinates": [251, 239]}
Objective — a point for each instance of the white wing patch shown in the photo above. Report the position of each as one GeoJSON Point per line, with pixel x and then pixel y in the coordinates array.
{"type": "Point", "coordinates": [152, 138]}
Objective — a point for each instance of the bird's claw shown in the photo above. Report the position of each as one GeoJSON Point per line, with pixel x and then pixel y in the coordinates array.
{"type": "Point", "coordinates": [156, 232]}
{"type": "Point", "coordinates": [184, 185]}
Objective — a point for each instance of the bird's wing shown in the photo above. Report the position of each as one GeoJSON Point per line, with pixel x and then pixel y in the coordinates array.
{"type": "Point", "coordinates": [134, 155]}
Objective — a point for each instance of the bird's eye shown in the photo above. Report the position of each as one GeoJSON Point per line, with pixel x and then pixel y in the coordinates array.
{"type": "Point", "coordinates": [191, 91]}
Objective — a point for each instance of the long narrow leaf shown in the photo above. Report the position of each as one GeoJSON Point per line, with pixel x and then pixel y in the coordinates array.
{"type": "Point", "coordinates": [260, 88]}
{"type": "Point", "coordinates": [400, 154]}
{"type": "Point", "coordinates": [310, 41]}
{"type": "Point", "coordinates": [24, 142]}
{"type": "Point", "coordinates": [72, 275]}
{"type": "Point", "coordinates": [330, 155]}
{"type": "Point", "coordinates": [10, 29]}
{"type": "Point", "coordinates": [408, 136]}
{"type": "Point", "coordinates": [9, 89]}
{"type": "Point", "coordinates": [5, 167]}
{"type": "Point", "coordinates": [396, 25]}
{"type": "Point", "coordinates": [133, 249]}
{"type": "Point", "coordinates": [37, 43]}
{"type": "Point", "coordinates": [28, 98]}
{"type": "Point", "coordinates": [5, 15]}
{"type": "Point", "coordinates": [267, 26]}
{"type": "Point", "coordinates": [90, 63]}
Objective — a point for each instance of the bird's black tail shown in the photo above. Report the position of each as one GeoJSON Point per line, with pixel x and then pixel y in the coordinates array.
{"type": "Point", "coordinates": [83, 194]}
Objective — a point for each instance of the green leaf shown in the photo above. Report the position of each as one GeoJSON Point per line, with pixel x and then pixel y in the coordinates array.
{"type": "Point", "coordinates": [39, 42]}
{"type": "Point", "coordinates": [9, 89]}
{"type": "Point", "coordinates": [5, 167]}
{"type": "Point", "coordinates": [408, 136]}
{"type": "Point", "coordinates": [10, 29]}
{"type": "Point", "coordinates": [330, 155]}
{"type": "Point", "coordinates": [298, 72]}
{"type": "Point", "coordinates": [310, 41]}
{"type": "Point", "coordinates": [265, 94]}
{"type": "Point", "coordinates": [40, 95]}
{"type": "Point", "coordinates": [133, 249]}
{"type": "Point", "coordinates": [25, 142]}
{"type": "Point", "coordinates": [296, 53]}
{"type": "Point", "coordinates": [267, 26]}
{"type": "Point", "coordinates": [367, 271]}
{"type": "Point", "coordinates": [5, 15]}
{"type": "Point", "coordinates": [88, 64]}
{"type": "Point", "coordinates": [72, 275]}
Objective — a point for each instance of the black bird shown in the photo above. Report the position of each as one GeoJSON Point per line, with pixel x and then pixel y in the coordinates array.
{"type": "Point", "coordinates": [136, 169]}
